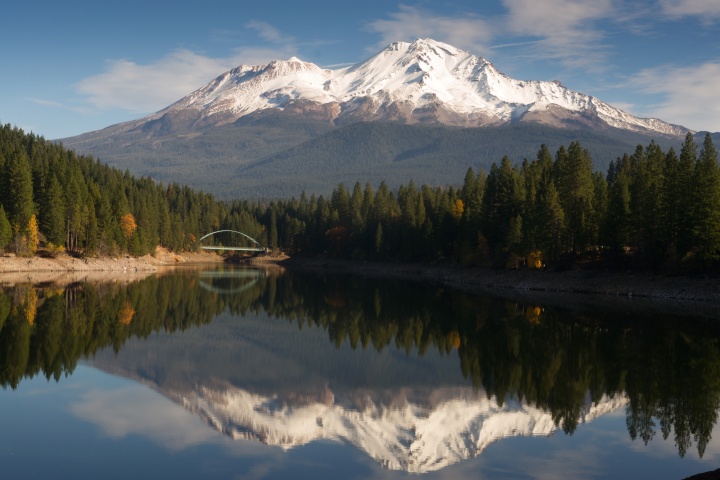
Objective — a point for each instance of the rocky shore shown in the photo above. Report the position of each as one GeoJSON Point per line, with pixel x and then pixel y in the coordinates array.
{"type": "Point", "coordinates": [65, 269]}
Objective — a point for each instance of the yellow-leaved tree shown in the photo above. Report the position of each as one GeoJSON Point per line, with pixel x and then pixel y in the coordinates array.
{"type": "Point", "coordinates": [126, 313]}
{"type": "Point", "coordinates": [128, 225]}
{"type": "Point", "coordinates": [32, 235]}
{"type": "Point", "coordinates": [457, 209]}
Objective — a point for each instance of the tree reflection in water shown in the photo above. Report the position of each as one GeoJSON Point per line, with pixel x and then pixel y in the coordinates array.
{"type": "Point", "coordinates": [668, 367]}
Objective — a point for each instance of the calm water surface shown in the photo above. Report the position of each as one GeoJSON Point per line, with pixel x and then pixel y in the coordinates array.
{"type": "Point", "coordinates": [250, 374]}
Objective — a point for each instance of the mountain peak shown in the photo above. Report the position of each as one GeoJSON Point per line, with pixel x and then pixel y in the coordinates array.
{"type": "Point", "coordinates": [423, 81]}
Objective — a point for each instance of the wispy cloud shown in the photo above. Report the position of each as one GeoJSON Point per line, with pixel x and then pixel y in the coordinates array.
{"type": "Point", "coordinates": [269, 33]}
{"type": "Point", "coordinates": [514, 44]}
{"type": "Point", "coordinates": [166, 424]}
{"type": "Point", "coordinates": [689, 94]}
{"type": "Point", "coordinates": [145, 88]}
{"type": "Point", "coordinates": [141, 88]}
{"type": "Point", "coordinates": [566, 29]}
{"type": "Point", "coordinates": [44, 103]}
{"type": "Point", "coordinates": [707, 9]}
{"type": "Point", "coordinates": [468, 31]}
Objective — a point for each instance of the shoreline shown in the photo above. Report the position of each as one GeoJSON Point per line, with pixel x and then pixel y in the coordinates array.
{"type": "Point", "coordinates": [65, 269]}
{"type": "Point", "coordinates": [576, 289]}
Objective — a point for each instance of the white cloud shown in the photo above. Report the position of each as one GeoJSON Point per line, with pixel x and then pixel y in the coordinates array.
{"type": "Point", "coordinates": [147, 88]}
{"type": "Point", "coordinates": [683, 8]}
{"type": "Point", "coordinates": [566, 28]}
{"type": "Point", "coordinates": [116, 413]}
{"type": "Point", "coordinates": [689, 94]}
{"type": "Point", "coordinates": [559, 29]}
{"type": "Point", "coordinates": [466, 30]}
{"type": "Point", "coordinates": [268, 32]}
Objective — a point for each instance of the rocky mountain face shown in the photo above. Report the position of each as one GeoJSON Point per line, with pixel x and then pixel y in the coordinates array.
{"type": "Point", "coordinates": [222, 136]}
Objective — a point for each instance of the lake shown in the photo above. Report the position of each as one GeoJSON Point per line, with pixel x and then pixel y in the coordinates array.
{"type": "Point", "coordinates": [268, 374]}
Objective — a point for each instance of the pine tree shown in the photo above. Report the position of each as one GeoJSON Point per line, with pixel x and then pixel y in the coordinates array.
{"type": "Point", "coordinates": [686, 194]}
{"type": "Point", "coordinates": [5, 229]}
{"type": "Point", "coordinates": [617, 226]}
{"type": "Point", "coordinates": [552, 222]}
{"type": "Point", "coordinates": [706, 214]}
{"type": "Point", "coordinates": [379, 239]}
{"type": "Point", "coordinates": [20, 191]}
{"type": "Point", "coordinates": [501, 203]}
{"type": "Point", "coordinates": [645, 194]}
{"type": "Point", "coordinates": [52, 219]}
{"type": "Point", "coordinates": [670, 201]}
{"type": "Point", "coordinates": [573, 179]}
{"type": "Point", "coordinates": [273, 230]}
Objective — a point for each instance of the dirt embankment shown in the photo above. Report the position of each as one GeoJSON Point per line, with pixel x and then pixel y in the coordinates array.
{"type": "Point", "coordinates": [65, 269]}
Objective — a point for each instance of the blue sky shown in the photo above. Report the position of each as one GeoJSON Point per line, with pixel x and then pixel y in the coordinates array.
{"type": "Point", "coordinates": [69, 67]}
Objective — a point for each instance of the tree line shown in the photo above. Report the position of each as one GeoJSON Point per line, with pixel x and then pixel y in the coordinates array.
{"type": "Point", "coordinates": [51, 196]}
{"type": "Point", "coordinates": [652, 209]}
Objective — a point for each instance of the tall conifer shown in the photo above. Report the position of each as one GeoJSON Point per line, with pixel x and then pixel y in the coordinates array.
{"type": "Point", "coordinates": [706, 216]}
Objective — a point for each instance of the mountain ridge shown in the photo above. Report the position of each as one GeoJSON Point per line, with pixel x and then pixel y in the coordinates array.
{"type": "Point", "coordinates": [260, 131]}
{"type": "Point", "coordinates": [420, 82]}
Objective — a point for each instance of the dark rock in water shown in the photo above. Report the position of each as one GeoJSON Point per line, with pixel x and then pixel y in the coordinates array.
{"type": "Point", "coordinates": [713, 475]}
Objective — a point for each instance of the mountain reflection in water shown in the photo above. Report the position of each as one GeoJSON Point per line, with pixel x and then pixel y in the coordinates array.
{"type": "Point", "coordinates": [452, 373]}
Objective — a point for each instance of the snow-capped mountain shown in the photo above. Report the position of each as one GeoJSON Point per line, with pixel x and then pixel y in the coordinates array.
{"type": "Point", "coordinates": [447, 426]}
{"type": "Point", "coordinates": [420, 82]}
{"type": "Point", "coordinates": [423, 110]}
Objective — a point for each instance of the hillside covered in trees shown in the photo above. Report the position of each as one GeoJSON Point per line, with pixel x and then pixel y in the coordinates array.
{"type": "Point", "coordinates": [654, 209]}
{"type": "Point", "coordinates": [50, 196]}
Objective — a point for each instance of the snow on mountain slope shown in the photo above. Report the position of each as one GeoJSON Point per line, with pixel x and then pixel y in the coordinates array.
{"type": "Point", "coordinates": [454, 425]}
{"type": "Point", "coordinates": [420, 82]}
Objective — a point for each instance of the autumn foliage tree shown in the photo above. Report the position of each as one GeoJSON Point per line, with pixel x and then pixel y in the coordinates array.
{"type": "Point", "coordinates": [32, 235]}
{"type": "Point", "coordinates": [128, 225]}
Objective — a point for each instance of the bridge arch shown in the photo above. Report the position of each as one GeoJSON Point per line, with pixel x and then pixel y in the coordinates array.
{"type": "Point", "coordinates": [258, 248]}
{"type": "Point", "coordinates": [248, 278]}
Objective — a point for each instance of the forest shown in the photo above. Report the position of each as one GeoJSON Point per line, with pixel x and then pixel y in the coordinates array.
{"type": "Point", "coordinates": [652, 209]}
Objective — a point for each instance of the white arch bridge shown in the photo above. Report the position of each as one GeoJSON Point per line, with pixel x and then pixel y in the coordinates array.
{"type": "Point", "coordinates": [255, 248]}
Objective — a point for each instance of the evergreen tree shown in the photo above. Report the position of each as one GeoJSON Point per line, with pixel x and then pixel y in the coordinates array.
{"type": "Point", "coordinates": [573, 179]}
{"type": "Point", "coordinates": [501, 203]}
{"type": "Point", "coordinates": [552, 219]}
{"type": "Point", "coordinates": [618, 218]}
{"type": "Point", "coordinates": [273, 231]}
{"type": "Point", "coordinates": [670, 205]}
{"type": "Point", "coordinates": [5, 229]}
{"type": "Point", "coordinates": [20, 191]}
{"type": "Point", "coordinates": [706, 214]}
{"type": "Point", "coordinates": [687, 194]}
{"type": "Point", "coordinates": [52, 215]}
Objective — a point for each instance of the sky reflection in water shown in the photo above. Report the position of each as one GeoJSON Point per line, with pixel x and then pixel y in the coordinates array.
{"type": "Point", "coordinates": [96, 424]}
